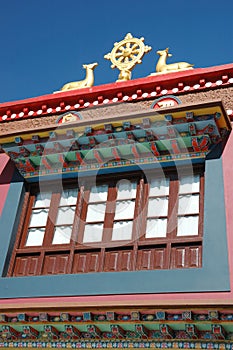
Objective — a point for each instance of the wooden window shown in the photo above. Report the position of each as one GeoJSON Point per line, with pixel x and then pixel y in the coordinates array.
{"type": "Point", "coordinates": [157, 214]}
{"type": "Point", "coordinates": [38, 219]}
{"type": "Point", "coordinates": [118, 224]}
{"type": "Point", "coordinates": [124, 211]}
{"type": "Point", "coordinates": [188, 206]}
{"type": "Point", "coordinates": [65, 217]}
{"type": "Point", "coordinates": [96, 210]}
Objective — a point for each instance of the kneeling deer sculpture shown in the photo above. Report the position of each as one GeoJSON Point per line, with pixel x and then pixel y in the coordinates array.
{"type": "Point", "coordinates": [87, 82]}
{"type": "Point", "coordinates": [163, 67]}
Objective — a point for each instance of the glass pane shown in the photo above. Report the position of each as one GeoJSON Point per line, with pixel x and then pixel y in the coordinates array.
{"type": "Point", "coordinates": [188, 204]}
{"type": "Point", "coordinates": [62, 235]}
{"type": "Point", "coordinates": [187, 226]}
{"type": "Point", "coordinates": [98, 193]}
{"type": "Point", "coordinates": [159, 187]}
{"type": "Point", "coordinates": [122, 230]}
{"type": "Point", "coordinates": [126, 189]}
{"type": "Point", "coordinates": [93, 233]}
{"type": "Point", "coordinates": [124, 210]}
{"type": "Point", "coordinates": [189, 184]}
{"type": "Point", "coordinates": [157, 206]}
{"type": "Point", "coordinates": [65, 215]}
{"type": "Point", "coordinates": [69, 197]}
{"type": "Point", "coordinates": [39, 217]}
{"type": "Point", "coordinates": [156, 228]}
{"type": "Point", "coordinates": [96, 212]}
{"type": "Point", "coordinates": [35, 237]}
{"type": "Point", "coordinates": [42, 200]}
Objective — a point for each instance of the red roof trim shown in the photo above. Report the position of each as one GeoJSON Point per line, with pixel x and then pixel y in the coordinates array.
{"type": "Point", "coordinates": [158, 85]}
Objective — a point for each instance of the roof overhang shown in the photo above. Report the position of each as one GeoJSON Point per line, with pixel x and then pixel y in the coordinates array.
{"type": "Point", "coordinates": [173, 134]}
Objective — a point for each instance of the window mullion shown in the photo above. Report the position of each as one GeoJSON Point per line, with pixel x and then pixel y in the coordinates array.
{"type": "Point", "coordinates": [27, 212]}
{"type": "Point", "coordinates": [145, 201]}
{"type": "Point", "coordinates": [78, 216]}
{"type": "Point", "coordinates": [82, 209]}
{"type": "Point", "coordinates": [139, 212]}
{"type": "Point", "coordinates": [172, 209]}
{"type": "Point", "coordinates": [51, 221]}
{"type": "Point", "coordinates": [109, 215]}
{"type": "Point", "coordinates": [102, 258]}
{"type": "Point", "coordinates": [168, 255]}
{"type": "Point", "coordinates": [40, 261]}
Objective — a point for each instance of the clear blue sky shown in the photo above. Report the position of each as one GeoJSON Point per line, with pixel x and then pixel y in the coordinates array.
{"type": "Point", "coordinates": [45, 42]}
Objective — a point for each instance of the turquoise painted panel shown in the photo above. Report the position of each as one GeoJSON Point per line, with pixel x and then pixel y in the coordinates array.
{"type": "Point", "coordinates": [212, 277]}
{"type": "Point", "coordinates": [9, 221]}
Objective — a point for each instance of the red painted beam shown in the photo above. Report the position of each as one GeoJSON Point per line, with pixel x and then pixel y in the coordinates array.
{"type": "Point", "coordinates": [119, 90]}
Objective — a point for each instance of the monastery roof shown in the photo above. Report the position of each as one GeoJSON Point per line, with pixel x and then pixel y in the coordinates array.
{"type": "Point", "coordinates": [176, 83]}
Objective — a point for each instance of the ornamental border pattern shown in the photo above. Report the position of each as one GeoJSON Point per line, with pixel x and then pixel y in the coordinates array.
{"type": "Point", "coordinates": [121, 345]}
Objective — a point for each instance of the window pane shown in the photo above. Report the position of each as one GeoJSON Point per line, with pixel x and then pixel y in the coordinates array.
{"type": "Point", "coordinates": [65, 215]}
{"type": "Point", "coordinates": [42, 200]}
{"type": "Point", "coordinates": [98, 193]}
{"type": "Point", "coordinates": [124, 210]}
{"type": "Point", "coordinates": [69, 197]}
{"type": "Point", "coordinates": [126, 189]}
{"type": "Point", "coordinates": [187, 226]}
{"type": "Point", "coordinates": [189, 184]}
{"type": "Point", "coordinates": [159, 187]}
{"type": "Point", "coordinates": [62, 235]}
{"type": "Point", "coordinates": [35, 237]}
{"type": "Point", "coordinates": [156, 228]}
{"type": "Point", "coordinates": [39, 217]}
{"type": "Point", "coordinates": [96, 212]}
{"type": "Point", "coordinates": [122, 230]}
{"type": "Point", "coordinates": [188, 204]}
{"type": "Point", "coordinates": [93, 233]}
{"type": "Point", "coordinates": [157, 206]}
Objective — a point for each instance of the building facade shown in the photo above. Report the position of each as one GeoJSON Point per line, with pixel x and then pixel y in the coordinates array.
{"type": "Point", "coordinates": [116, 225]}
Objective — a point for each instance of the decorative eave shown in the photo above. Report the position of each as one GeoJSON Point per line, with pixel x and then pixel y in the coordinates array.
{"type": "Point", "coordinates": [178, 133]}
{"type": "Point", "coordinates": [199, 79]}
{"type": "Point", "coordinates": [128, 328]}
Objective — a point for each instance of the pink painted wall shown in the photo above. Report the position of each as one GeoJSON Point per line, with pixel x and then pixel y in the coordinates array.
{"type": "Point", "coordinates": [6, 171]}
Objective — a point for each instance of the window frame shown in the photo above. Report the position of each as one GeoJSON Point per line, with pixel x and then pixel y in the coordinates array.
{"type": "Point", "coordinates": [137, 244]}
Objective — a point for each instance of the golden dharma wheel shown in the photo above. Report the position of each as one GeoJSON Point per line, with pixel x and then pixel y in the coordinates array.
{"type": "Point", "coordinates": [127, 53]}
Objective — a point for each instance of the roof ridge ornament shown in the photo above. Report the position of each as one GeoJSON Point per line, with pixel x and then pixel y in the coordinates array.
{"type": "Point", "coordinates": [163, 67]}
{"type": "Point", "coordinates": [126, 54]}
{"type": "Point", "coordinates": [87, 82]}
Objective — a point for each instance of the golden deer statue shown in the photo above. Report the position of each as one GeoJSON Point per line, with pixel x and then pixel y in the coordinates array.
{"type": "Point", "coordinates": [163, 67]}
{"type": "Point", "coordinates": [87, 82]}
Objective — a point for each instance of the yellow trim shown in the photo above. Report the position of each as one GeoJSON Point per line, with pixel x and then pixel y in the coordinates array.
{"type": "Point", "coordinates": [177, 112]}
